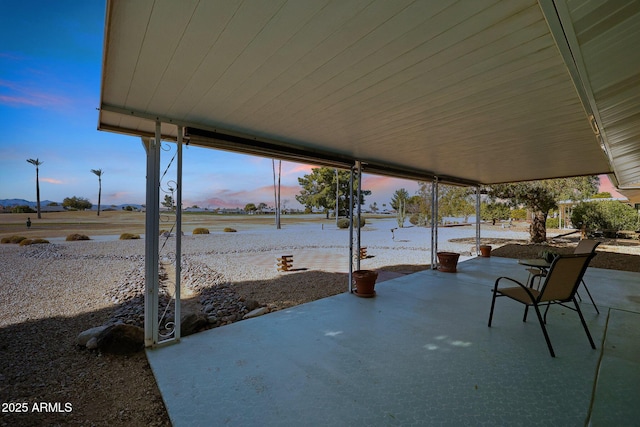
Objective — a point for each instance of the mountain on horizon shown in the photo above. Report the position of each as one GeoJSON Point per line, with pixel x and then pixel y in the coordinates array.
{"type": "Point", "coordinates": [22, 202]}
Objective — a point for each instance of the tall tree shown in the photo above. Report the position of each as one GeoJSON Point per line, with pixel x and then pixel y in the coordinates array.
{"type": "Point", "coordinates": [456, 201]}
{"type": "Point", "coordinates": [399, 203]}
{"type": "Point", "coordinates": [322, 189]}
{"type": "Point", "coordinates": [542, 196]}
{"type": "Point", "coordinates": [36, 163]}
{"type": "Point", "coordinates": [98, 173]}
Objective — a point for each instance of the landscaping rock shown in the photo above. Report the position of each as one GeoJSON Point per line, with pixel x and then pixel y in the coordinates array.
{"type": "Point", "coordinates": [257, 312]}
{"type": "Point", "coordinates": [85, 336]}
{"type": "Point", "coordinates": [121, 339]}
{"type": "Point", "coordinates": [192, 323]}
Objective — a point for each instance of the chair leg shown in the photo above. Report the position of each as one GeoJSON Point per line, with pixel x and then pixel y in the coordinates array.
{"type": "Point", "coordinates": [590, 297]}
{"type": "Point", "coordinates": [544, 331]}
{"type": "Point", "coordinates": [546, 310]}
{"type": "Point", "coordinates": [493, 304]}
{"type": "Point", "coordinates": [526, 310]}
{"type": "Point", "coordinates": [584, 324]}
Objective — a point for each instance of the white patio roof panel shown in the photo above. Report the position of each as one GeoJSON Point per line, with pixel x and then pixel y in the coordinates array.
{"type": "Point", "coordinates": [477, 91]}
{"type": "Point", "coordinates": [605, 37]}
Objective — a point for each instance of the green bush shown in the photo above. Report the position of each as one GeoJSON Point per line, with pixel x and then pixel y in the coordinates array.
{"type": "Point", "coordinates": [27, 242]}
{"type": "Point", "coordinates": [229, 230]}
{"type": "Point", "coordinates": [418, 219]}
{"type": "Point", "coordinates": [519, 214]}
{"type": "Point", "coordinates": [129, 236]}
{"type": "Point", "coordinates": [75, 236]}
{"type": "Point", "coordinates": [13, 239]}
{"type": "Point", "coordinates": [200, 230]}
{"type": "Point", "coordinates": [344, 222]}
{"type": "Point", "coordinates": [491, 211]}
{"type": "Point", "coordinates": [553, 222]}
{"type": "Point", "coordinates": [22, 209]}
{"type": "Point", "coordinates": [607, 215]}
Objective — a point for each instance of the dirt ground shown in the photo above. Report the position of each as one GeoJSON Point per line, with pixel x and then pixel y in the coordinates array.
{"type": "Point", "coordinates": [41, 363]}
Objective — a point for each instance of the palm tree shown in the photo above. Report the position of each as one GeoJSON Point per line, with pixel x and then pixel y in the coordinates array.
{"type": "Point", "coordinates": [36, 163]}
{"type": "Point", "coordinates": [98, 173]}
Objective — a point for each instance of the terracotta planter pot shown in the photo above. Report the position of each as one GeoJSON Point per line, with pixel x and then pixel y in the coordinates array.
{"type": "Point", "coordinates": [365, 281]}
{"type": "Point", "coordinates": [485, 251]}
{"type": "Point", "coordinates": [448, 261]}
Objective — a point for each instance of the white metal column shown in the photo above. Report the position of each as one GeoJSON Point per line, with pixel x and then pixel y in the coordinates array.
{"type": "Point", "coordinates": [350, 214]}
{"type": "Point", "coordinates": [359, 213]}
{"type": "Point", "coordinates": [152, 228]}
{"type": "Point", "coordinates": [337, 196]}
{"type": "Point", "coordinates": [178, 266]}
{"type": "Point", "coordinates": [477, 220]}
{"type": "Point", "coordinates": [434, 223]}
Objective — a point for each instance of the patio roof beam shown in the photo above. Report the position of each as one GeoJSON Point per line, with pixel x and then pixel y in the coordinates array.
{"type": "Point", "coordinates": [264, 147]}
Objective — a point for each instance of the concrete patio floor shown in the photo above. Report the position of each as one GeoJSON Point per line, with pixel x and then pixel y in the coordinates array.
{"type": "Point", "coordinates": [420, 353]}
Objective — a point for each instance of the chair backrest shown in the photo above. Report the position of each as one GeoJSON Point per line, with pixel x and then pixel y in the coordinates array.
{"type": "Point", "coordinates": [586, 246]}
{"type": "Point", "coordinates": [563, 279]}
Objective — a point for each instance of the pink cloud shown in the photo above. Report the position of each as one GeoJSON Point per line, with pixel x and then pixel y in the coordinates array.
{"type": "Point", "coordinates": [19, 95]}
{"type": "Point", "coordinates": [51, 181]}
{"type": "Point", "coordinates": [296, 169]}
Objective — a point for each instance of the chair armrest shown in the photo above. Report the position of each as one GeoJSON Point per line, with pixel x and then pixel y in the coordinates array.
{"type": "Point", "coordinates": [526, 288]}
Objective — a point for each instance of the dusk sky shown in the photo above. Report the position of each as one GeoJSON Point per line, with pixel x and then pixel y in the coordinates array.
{"type": "Point", "coordinates": [50, 72]}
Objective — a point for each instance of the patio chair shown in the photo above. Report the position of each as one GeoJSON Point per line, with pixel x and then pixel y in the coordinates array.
{"type": "Point", "coordinates": [559, 287]}
{"type": "Point", "coordinates": [585, 246]}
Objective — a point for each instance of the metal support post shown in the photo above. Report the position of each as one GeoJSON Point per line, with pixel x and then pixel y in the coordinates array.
{"type": "Point", "coordinates": [177, 316]}
{"type": "Point", "coordinates": [350, 211]}
{"type": "Point", "coordinates": [359, 211]}
{"type": "Point", "coordinates": [434, 223]}
{"type": "Point", "coordinates": [477, 220]}
{"type": "Point", "coordinates": [337, 195]}
{"type": "Point", "coordinates": [152, 229]}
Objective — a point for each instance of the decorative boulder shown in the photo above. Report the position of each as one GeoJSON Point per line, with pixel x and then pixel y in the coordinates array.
{"type": "Point", "coordinates": [85, 336]}
{"type": "Point", "coordinates": [121, 339]}
{"type": "Point", "coordinates": [192, 323]}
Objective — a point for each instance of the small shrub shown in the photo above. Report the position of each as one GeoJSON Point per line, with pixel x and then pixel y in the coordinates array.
{"type": "Point", "coordinates": [553, 222]}
{"type": "Point", "coordinates": [13, 239]}
{"type": "Point", "coordinates": [22, 209]}
{"type": "Point", "coordinates": [519, 214]}
{"type": "Point", "coordinates": [344, 222]}
{"type": "Point", "coordinates": [75, 236]}
{"type": "Point", "coordinates": [229, 230]}
{"type": "Point", "coordinates": [129, 236]}
{"type": "Point", "coordinates": [200, 230]}
{"type": "Point", "coordinates": [26, 242]}
{"type": "Point", "coordinates": [418, 219]}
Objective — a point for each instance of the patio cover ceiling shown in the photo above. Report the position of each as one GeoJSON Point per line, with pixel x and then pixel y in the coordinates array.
{"type": "Point", "coordinates": [475, 92]}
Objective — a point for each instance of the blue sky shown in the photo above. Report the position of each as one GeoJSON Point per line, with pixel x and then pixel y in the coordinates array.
{"type": "Point", "coordinates": [50, 71]}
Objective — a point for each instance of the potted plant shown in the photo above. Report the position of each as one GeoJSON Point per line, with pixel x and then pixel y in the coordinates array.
{"type": "Point", "coordinates": [448, 261]}
{"type": "Point", "coordinates": [365, 281]}
{"type": "Point", "coordinates": [485, 251]}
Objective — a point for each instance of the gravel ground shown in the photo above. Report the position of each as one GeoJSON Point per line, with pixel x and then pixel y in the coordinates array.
{"type": "Point", "coordinates": [49, 293]}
